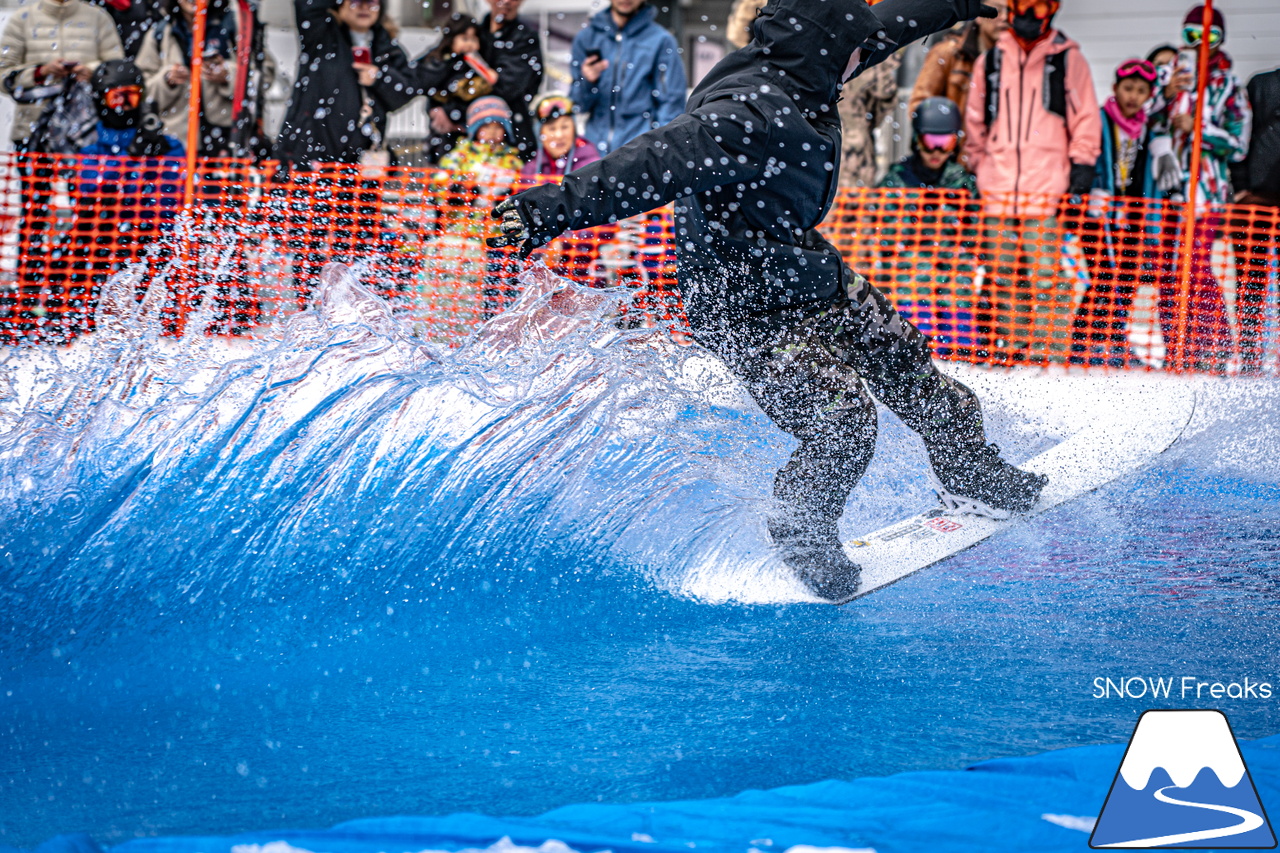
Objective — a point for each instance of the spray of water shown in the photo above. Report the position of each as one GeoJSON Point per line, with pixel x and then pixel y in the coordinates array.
{"type": "Point", "coordinates": [183, 471]}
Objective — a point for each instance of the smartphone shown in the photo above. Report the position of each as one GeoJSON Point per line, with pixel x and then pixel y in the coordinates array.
{"type": "Point", "coordinates": [362, 54]}
{"type": "Point", "coordinates": [1189, 61]}
{"type": "Point", "coordinates": [593, 55]}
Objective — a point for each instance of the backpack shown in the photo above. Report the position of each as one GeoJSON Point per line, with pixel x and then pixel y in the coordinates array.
{"type": "Point", "coordinates": [68, 121]}
{"type": "Point", "coordinates": [1054, 88]}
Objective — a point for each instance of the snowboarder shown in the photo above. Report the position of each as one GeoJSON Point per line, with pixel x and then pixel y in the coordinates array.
{"type": "Point", "coordinates": [752, 167]}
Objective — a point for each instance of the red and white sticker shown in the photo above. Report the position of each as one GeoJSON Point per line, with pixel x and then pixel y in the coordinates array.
{"type": "Point", "coordinates": [943, 525]}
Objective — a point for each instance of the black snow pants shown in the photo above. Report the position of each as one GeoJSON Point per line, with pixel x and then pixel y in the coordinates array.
{"type": "Point", "coordinates": [815, 378]}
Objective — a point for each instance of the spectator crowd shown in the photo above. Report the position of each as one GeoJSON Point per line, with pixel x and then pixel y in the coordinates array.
{"type": "Point", "coordinates": [1004, 121]}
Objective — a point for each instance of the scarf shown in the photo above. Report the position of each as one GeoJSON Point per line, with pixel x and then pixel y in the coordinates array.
{"type": "Point", "coordinates": [1132, 127]}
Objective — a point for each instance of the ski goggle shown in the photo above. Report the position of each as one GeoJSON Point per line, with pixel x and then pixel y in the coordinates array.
{"type": "Point", "coordinates": [1193, 33]}
{"type": "Point", "coordinates": [1137, 68]}
{"type": "Point", "coordinates": [938, 143]}
{"type": "Point", "coordinates": [1041, 9]}
{"type": "Point", "coordinates": [123, 97]}
{"type": "Point", "coordinates": [553, 106]}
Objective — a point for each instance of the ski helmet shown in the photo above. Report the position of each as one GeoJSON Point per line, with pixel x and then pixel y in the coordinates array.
{"type": "Point", "coordinates": [118, 88]}
{"type": "Point", "coordinates": [936, 116]}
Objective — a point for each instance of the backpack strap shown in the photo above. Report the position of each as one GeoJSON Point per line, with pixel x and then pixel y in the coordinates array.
{"type": "Point", "coordinates": [991, 108]}
{"type": "Point", "coordinates": [1055, 82]}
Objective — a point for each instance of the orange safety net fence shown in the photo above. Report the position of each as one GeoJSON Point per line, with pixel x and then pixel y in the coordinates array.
{"type": "Point", "coordinates": [1003, 281]}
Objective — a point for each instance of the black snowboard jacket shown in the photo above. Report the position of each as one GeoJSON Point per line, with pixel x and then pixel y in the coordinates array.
{"type": "Point", "coordinates": [322, 122]}
{"type": "Point", "coordinates": [752, 165]}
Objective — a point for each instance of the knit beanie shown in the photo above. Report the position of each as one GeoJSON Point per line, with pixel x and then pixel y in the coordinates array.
{"type": "Point", "coordinates": [1196, 18]}
{"type": "Point", "coordinates": [487, 109]}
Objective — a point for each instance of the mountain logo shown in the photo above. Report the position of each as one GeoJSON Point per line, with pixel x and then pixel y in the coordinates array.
{"type": "Point", "coordinates": [1183, 784]}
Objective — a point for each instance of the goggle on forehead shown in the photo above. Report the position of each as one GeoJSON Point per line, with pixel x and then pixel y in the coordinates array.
{"type": "Point", "coordinates": [1193, 33]}
{"type": "Point", "coordinates": [1137, 68]}
{"type": "Point", "coordinates": [554, 107]}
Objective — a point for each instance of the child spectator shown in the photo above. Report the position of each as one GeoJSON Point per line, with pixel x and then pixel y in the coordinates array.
{"type": "Point", "coordinates": [128, 187]}
{"type": "Point", "coordinates": [1203, 339]}
{"type": "Point", "coordinates": [452, 76]}
{"type": "Point", "coordinates": [561, 149]}
{"type": "Point", "coordinates": [487, 149]}
{"type": "Point", "coordinates": [1112, 235]}
{"type": "Point", "coordinates": [929, 244]}
{"type": "Point", "coordinates": [485, 164]}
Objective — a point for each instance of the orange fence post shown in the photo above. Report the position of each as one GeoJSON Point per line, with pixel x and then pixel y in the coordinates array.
{"type": "Point", "coordinates": [193, 107]}
{"type": "Point", "coordinates": [1186, 258]}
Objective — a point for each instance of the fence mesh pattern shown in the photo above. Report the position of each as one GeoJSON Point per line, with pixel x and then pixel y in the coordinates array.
{"type": "Point", "coordinates": [1129, 284]}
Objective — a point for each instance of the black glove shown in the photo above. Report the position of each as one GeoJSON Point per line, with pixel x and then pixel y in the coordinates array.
{"type": "Point", "coordinates": [1082, 175]}
{"type": "Point", "coordinates": [514, 227]}
{"type": "Point", "coordinates": [905, 21]}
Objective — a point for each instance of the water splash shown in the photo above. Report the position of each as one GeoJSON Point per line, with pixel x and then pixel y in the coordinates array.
{"type": "Point", "coordinates": [182, 471]}
{"type": "Point", "coordinates": [342, 458]}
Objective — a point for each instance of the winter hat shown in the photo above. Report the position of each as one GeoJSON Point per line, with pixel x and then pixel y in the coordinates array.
{"type": "Point", "coordinates": [1196, 17]}
{"type": "Point", "coordinates": [487, 109]}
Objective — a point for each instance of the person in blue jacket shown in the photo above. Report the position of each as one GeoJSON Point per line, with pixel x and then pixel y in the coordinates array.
{"type": "Point", "coordinates": [628, 74]}
{"type": "Point", "coordinates": [128, 186]}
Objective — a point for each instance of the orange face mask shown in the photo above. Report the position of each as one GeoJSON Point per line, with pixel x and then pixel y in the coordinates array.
{"type": "Point", "coordinates": [123, 98]}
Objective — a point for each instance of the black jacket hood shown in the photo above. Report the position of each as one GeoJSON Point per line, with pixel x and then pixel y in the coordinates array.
{"type": "Point", "coordinates": [807, 43]}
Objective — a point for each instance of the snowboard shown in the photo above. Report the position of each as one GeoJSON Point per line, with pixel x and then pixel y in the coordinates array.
{"type": "Point", "coordinates": [1117, 443]}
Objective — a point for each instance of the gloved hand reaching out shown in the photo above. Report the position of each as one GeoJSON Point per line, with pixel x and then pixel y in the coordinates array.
{"type": "Point", "coordinates": [513, 228]}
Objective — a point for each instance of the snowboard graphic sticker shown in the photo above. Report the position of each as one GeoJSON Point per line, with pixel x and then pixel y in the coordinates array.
{"type": "Point", "coordinates": [1183, 784]}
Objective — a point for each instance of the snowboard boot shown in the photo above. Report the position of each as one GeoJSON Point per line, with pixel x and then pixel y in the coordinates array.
{"type": "Point", "coordinates": [972, 478]}
{"type": "Point", "coordinates": [813, 551]}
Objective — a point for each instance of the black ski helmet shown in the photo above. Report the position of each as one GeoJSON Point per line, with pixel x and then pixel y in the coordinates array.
{"type": "Point", "coordinates": [936, 116]}
{"type": "Point", "coordinates": [111, 75]}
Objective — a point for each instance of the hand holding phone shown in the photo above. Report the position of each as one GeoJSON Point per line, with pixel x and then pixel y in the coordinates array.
{"type": "Point", "coordinates": [593, 66]}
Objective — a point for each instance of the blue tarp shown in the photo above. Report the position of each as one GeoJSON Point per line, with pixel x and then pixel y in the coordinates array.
{"type": "Point", "coordinates": [1009, 804]}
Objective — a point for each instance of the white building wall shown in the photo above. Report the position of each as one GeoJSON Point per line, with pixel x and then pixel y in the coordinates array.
{"type": "Point", "coordinates": [1111, 31]}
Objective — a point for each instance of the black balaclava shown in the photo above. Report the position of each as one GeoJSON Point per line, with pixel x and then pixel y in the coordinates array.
{"type": "Point", "coordinates": [111, 74]}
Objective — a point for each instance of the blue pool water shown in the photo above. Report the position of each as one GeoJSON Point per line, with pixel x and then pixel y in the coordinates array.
{"type": "Point", "coordinates": [346, 574]}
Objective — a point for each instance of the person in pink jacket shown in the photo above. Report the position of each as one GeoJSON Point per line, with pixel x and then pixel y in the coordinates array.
{"type": "Point", "coordinates": [1032, 134]}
